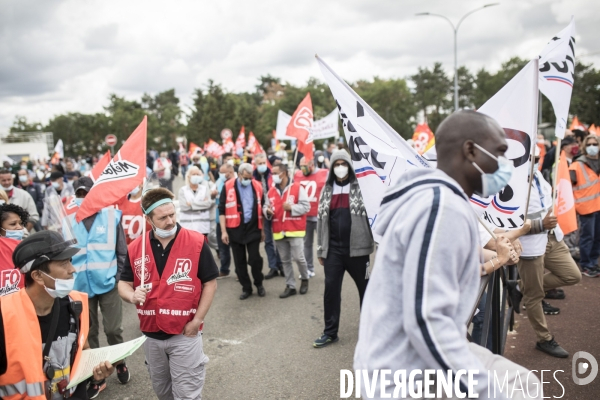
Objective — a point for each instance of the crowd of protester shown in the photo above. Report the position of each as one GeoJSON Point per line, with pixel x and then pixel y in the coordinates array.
{"type": "Point", "coordinates": [237, 201]}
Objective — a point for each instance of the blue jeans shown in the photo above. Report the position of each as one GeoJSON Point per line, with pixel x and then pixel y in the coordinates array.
{"type": "Point", "coordinates": [224, 253]}
{"type": "Point", "coordinates": [272, 254]}
{"type": "Point", "coordinates": [589, 239]}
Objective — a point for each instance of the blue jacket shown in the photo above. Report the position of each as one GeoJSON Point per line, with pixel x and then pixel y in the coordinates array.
{"type": "Point", "coordinates": [96, 262]}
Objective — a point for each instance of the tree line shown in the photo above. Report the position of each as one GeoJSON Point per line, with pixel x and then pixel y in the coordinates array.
{"type": "Point", "coordinates": [428, 93]}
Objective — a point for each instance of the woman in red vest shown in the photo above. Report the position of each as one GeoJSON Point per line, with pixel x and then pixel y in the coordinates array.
{"type": "Point", "coordinates": [12, 221]}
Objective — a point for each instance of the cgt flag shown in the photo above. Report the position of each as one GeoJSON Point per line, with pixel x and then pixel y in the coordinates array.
{"type": "Point", "coordinates": [300, 127]}
{"type": "Point", "coordinates": [515, 109]}
{"type": "Point", "coordinates": [126, 171]}
{"type": "Point", "coordinates": [379, 154]}
{"type": "Point", "coordinates": [557, 74]}
{"type": "Point", "coordinates": [240, 142]}
{"type": "Point", "coordinates": [423, 138]}
{"type": "Point", "coordinates": [565, 202]}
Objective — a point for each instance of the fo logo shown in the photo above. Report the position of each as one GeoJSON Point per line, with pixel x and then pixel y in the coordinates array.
{"type": "Point", "coordinates": [582, 368]}
{"type": "Point", "coordinates": [181, 273]}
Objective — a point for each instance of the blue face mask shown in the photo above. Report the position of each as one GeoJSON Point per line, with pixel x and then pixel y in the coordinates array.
{"type": "Point", "coordinates": [135, 191]}
{"type": "Point", "coordinates": [56, 185]}
{"type": "Point", "coordinates": [494, 183]}
{"type": "Point", "coordinates": [246, 182]}
{"type": "Point", "coordinates": [17, 235]}
{"type": "Point", "coordinates": [78, 201]}
{"type": "Point", "coordinates": [262, 168]}
{"type": "Point", "coordinates": [222, 176]}
{"type": "Point", "coordinates": [592, 151]}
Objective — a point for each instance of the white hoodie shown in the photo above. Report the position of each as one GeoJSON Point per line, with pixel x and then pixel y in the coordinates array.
{"type": "Point", "coordinates": [424, 283]}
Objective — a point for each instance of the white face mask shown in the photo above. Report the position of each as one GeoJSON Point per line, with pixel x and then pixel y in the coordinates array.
{"type": "Point", "coordinates": [320, 158]}
{"type": "Point", "coordinates": [276, 179]}
{"type": "Point", "coordinates": [62, 287]}
{"type": "Point", "coordinates": [195, 179]}
{"type": "Point", "coordinates": [164, 234]}
{"type": "Point", "coordinates": [8, 188]}
{"type": "Point", "coordinates": [341, 171]}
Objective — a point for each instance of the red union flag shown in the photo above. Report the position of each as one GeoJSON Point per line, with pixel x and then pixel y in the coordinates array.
{"type": "Point", "coordinates": [301, 125]}
{"type": "Point", "coordinates": [240, 142]}
{"type": "Point", "coordinates": [126, 170]}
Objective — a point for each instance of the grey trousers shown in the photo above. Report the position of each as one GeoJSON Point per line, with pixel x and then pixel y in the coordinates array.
{"type": "Point", "coordinates": [292, 249]}
{"type": "Point", "coordinates": [176, 367]}
{"type": "Point", "coordinates": [311, 228]}
{"type": "Point", "coordinates": [112, 317]}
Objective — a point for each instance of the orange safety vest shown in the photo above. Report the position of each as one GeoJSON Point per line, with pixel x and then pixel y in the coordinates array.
{"type": "Point", "coordinates": [24, 377]}
{"type": "Point", "coordinates": [233, 210]}
{"type": "Point", "coordinates": [587, 189]}
{"type": "Point", "coordinates": [292, 226]}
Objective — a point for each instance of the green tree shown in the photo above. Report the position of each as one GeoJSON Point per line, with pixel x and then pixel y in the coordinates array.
{"type": "Point", "coordinates": [585, 101]}
{"type": "Point", "coordinates": [392, 100]}
{"type": "Point", "coordinates": [432, 94]}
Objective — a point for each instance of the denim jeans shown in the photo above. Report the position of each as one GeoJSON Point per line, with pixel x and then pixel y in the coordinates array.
{"type": "Point", "coordinates": [272, 254]}
{"type": "Point", "coordinates": [224, 253]}
{"type": "Point", "coordinates": [589, 242]}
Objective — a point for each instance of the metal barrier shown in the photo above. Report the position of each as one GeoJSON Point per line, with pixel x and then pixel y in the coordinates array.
{"type": "Point", "coordinates": [498, 315]}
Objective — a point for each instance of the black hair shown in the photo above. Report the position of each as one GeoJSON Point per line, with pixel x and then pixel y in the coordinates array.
{"type": "Point", "coordinates": [578, 133]}
{"type": "Point", "coordinates": [282, 167]}
{"type": "Point", "coordinates": [15, 209]}
{"type": "Point", "coordinates": [225, 155]}
{"type": "Point", "coordinates": [44, 267]}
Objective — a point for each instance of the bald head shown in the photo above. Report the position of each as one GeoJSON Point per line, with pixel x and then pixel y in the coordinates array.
{"type": "Point", "coordinates": [456, 143]}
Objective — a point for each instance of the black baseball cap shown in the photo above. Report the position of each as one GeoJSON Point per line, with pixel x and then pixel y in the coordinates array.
{"type": "Point", "coordinates": [84, 183]}
{"type": "Point", "coordinates": [56, 175]}
{"type": "Point", "coordinates": [40, 247]}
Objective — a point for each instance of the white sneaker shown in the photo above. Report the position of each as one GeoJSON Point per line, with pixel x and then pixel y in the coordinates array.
{"type": "Point", "coordinates": [310, 275]}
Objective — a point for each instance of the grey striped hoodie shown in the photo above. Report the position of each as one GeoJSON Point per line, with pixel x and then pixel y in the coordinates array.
{"type": "Point", "coordinates": [424, 281]}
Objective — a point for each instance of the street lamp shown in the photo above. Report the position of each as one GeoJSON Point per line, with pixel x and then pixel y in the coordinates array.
{"type": "Point", "coordinates": [455, 28]}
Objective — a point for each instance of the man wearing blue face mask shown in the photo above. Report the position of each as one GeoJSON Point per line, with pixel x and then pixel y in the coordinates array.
{"type": "Point", "coordinates": [104, 250]}
{"type": "Point", "coordinates": [425, 284]}
{"type": "Point", "coordinates": [262, 174]}
{"type": "Point", "coordinates": [241, 218]}
{"type": "Point", "coordinates": [44, 327]}
{"type": "Point", "coordinates": [12, 224]}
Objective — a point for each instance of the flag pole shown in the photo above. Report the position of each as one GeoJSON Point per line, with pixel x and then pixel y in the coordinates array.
{"type": "Point", "coordinates": [143, 261]}
{"type": "Point", "coordinates": [291, 178]}
{"type": "Point", "coordinates": [555, 175]}
{"type": "Point", "coordinates": [530, 180]}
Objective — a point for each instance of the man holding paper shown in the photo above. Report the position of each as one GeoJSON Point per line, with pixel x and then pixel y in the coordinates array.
{"type": "Point", "coordinates": [43, 328]}
{"type": "Point", "coordinates": [173, 290]}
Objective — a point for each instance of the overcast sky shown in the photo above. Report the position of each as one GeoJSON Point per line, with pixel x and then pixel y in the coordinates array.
{"type": "Point", "coordinates": [61, 56]}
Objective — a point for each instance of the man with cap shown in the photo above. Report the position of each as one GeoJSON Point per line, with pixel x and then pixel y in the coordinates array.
{"type": "Point", "coordinates": [173, 290]}
{"type": "Point", "coordinates": [58, 187]}
{"type": "Point", "coordinates": [98, 266]}
{"type": "Point", "coordinates": [43, 328]}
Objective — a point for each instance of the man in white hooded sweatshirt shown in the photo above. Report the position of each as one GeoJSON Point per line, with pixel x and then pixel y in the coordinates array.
{"type": "Point", "coordinates": [426, 276]}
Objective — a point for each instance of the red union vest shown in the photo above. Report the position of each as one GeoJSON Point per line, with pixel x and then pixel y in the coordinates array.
{"type": "Point", "coordinates": [233, 210]}
{"type": "Point", "coordinates": [313, 185]}
{"type": "Point", "coordinates": [173, 298]}
{"type": "Point", "coordinates": [11, 279]}
{"type": "Point", "coordinates": [292, 226]}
